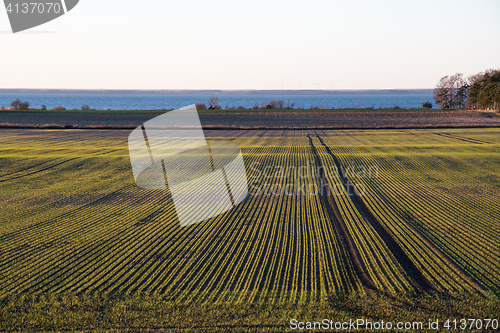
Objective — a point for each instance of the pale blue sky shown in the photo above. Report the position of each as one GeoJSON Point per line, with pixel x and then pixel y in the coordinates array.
{"type": "Point", "coordinates": [230, 44]}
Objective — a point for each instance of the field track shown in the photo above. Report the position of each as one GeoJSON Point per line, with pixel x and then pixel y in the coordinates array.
{"type": "Point", "coordinates": [73, 221]}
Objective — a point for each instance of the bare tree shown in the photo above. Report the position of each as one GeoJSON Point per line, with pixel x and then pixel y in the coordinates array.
{"type": "Point", "coordinates": [272, 105]}
{"type": "Point", "coordinates": [460, 90]}
{"type": "Point", "coordinates": [442, 93]}
{"type": "Point", "coordinates": [452, 91]}
{"type": "Point", "coordinates": [474, 78]}
{"type": "Point", "coordinates": [213, 102]}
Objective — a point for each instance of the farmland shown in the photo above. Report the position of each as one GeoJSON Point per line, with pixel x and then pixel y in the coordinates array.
{"type": "Point", "coordinates": [259, 119]}
{"type": "Point", "coordinates": [418, 234]}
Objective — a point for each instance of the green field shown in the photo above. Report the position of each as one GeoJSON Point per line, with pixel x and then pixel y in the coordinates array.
{"type": "Point", "coordinates": [82, 246]}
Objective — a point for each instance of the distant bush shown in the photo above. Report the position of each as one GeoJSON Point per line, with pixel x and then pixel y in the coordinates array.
{"type": "Point", "coordinates": [44, 107]}
{"type": "Point", "coordinates": [59, 108]}
{"type": "Point", "coordinates": [427, 105]}
{"type": "Point", "coordinates": [395, 107]}
{"type": "Point", "coordinates": [18, 105]}
{"type": "Point", "coordinates": [15, 104]}
{"type": "Point", "coordinates": [85, 107]}
{"type": "Point", "coordinates": [314, 108]}
{"type": "Point", "coordinates": [276, 105]}
{"type": "Point", "coordinates": [201, 106]}
{"type": "Point", "coordinates": [24, 105]}
{"type": "Point", "coordinates": [241, 108]}
{"type": "Point", "coordinates": [256, 106]}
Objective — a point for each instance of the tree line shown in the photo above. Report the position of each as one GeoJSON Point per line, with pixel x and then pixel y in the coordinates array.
{"type": "Point", "coordinates": [479, 91]}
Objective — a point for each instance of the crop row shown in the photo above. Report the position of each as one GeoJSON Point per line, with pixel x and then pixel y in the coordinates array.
{"type": "Point", "coordinates": [376, 259]}
{"type": "Point", "coordinates": [92, 230]}
{"type": "Point", "coordinates": [424, 201]}
{"type": "Point", "coordinates": [462, 225]}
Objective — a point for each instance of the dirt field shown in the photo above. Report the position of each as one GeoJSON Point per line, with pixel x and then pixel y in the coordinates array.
{"type": "Point", "coordinates": [271, 120]}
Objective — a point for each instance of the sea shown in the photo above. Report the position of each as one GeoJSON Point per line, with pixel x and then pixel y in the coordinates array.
{"type": "Point", "coordinates": [163, 99]}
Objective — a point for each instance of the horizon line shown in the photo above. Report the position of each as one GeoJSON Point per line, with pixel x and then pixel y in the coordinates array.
{"type": "Point", "coordinates": [209, 90]}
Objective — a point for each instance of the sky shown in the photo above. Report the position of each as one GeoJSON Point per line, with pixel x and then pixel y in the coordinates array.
{"type": "Point", "coordinates": [257, 44]}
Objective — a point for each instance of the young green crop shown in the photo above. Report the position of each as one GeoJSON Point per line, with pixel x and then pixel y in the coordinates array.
{"type": "Point", "coordinates": [74, 225]}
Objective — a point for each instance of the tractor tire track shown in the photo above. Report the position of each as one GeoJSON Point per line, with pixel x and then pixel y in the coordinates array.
{"type": "Point", "coordinates": [406, 263]}
{"type": "Point", "coordinates": [361, 271]}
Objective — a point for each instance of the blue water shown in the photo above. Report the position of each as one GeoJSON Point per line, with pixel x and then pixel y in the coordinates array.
{"type": "Point", "coordinates": [151, 101]}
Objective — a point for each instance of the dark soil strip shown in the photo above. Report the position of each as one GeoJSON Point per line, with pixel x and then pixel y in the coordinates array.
{"type": "Point", "coordinates": [409, 267]}
{"type": "Point", "coordinates": [236, 127]}
{"type": "Point", "coordinates": [333, 209]}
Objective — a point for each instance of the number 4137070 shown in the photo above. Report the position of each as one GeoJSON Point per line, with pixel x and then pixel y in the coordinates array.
{"type": "Point", "coordinates": [471, 324]}
{"type": "Point", "coordinates": [34, 8]}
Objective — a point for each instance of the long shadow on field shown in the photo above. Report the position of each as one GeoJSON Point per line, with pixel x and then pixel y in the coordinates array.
{"type": "Point", "coordinates": [461, 138]}
{"type": "Point", "coordinates": [37, 171]}
{"type": "Point", "coordinates": [408, 266]}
